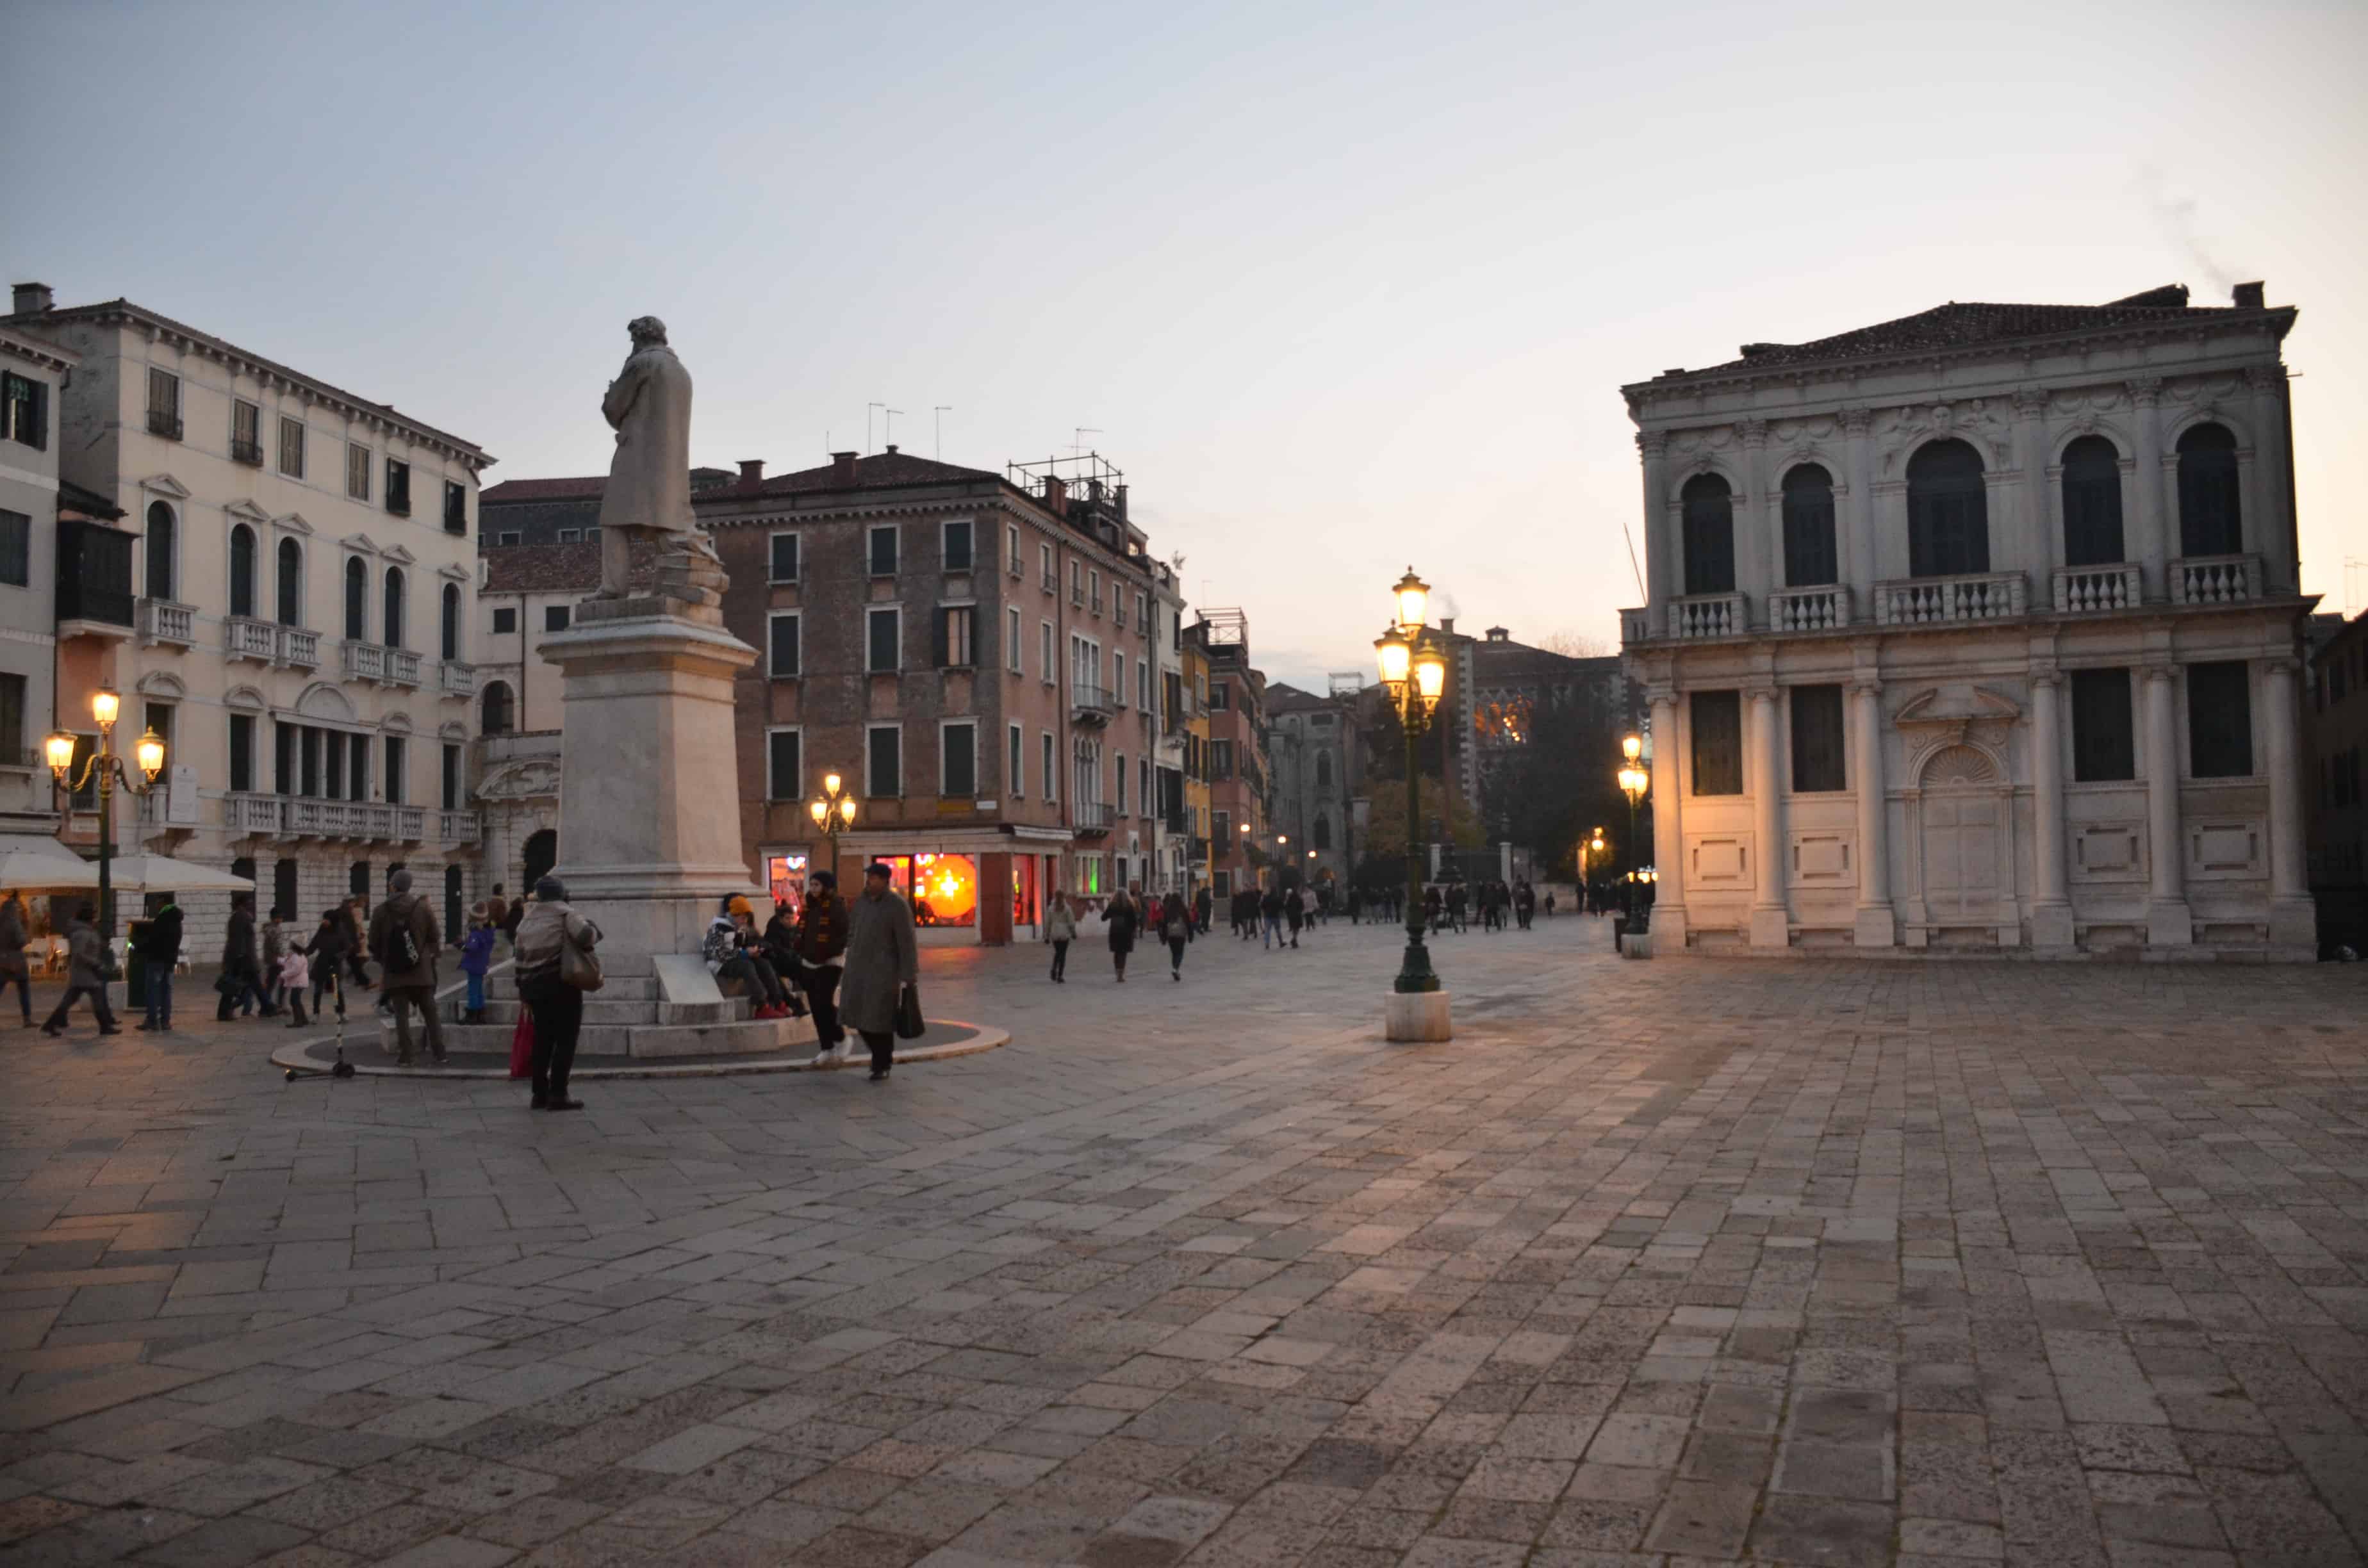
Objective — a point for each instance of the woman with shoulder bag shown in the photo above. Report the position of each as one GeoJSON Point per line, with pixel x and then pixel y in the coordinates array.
{"type": "Point", "coordinates": [555, 968]}
{"type": "Point", "coordinates": [1120, 914]}
{"type": "Point", "coordinates": [1175, 924]}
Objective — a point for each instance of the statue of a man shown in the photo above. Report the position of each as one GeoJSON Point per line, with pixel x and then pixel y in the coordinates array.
{"type": "Point", "coordinates": [649, 482]}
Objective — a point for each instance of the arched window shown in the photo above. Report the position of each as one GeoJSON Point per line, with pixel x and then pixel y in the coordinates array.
{"type": "Point", "coordinates": [1709, 535]}
{"type": "Point", "coordinates": [540, 853]}
{"type": "Point", "coordinates": [357, 600]}
{"type": "Point", "coordinates": [1948, 511]}
{"type": "Point", "coordinates": [451, 634]}
{"type": "Point", "coordinates": [242, 570]}
{"type": "Point", "coordinates": [1323, 831]}
{"type": "Point", "coordinates": [159, 551]}
{"type": "Point", "coordinates": [2092, 503]}
{"type": "Point", "coordinates": [2210, 515]}
{"type": "Point", "coordinates": [1810, 560]}
{"type": "Point", "coordinates": [1324, 770]}
{"type": "Point", "coordinates": [393, 628]}
{"type": "Point", "coordinates": [499, 717]}
{"type": "Point", "coordinates": [291, 583]}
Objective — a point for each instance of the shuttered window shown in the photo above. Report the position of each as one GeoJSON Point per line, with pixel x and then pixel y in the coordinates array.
{"type": "Point", "coordinates": [1817, 739]}
{"type": "Point", "coordinates": [2104, 742]}
{"type": "Point", "coordinates": [1716, 720]}
{"type": "Point", "coordinates": [955, 641]}
{"type": "Point", "coordinates": [885, 761]}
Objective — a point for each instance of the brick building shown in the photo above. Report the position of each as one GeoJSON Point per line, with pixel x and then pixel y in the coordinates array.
{"type": "Point", "coordinates": [1236, 760]}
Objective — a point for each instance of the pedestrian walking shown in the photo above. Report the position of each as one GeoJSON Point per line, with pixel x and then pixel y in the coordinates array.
{"type": "Point", "coordinates": [1204, 905]}
{"type": "Point", "coordinates": [882, 959]}
{"type": "Point", "coordinates": [241, 981]}
{"type": "Point", "coordinates": [159, 951]}
{"type": "Point", "coordinates": [86, 966]}
{"type": "Point", "coordinates": [403, 938]}
{"type": "Point", "coordinates": [16, 930]}
{"type": "Point", "coordinates": [350, 916]}
{"type": "Point", "coordinates": [293, 975]}
{"type": "Point", "coordinates": [476, 957]}
{"type": "Point", "coordinates": [1175, 924]}
{"type": "Point", "coordinates": [1123, 919]}
{"type": "Point", "coordinates": [1550, 904]}
{"type": "Point", "coordinates": [822, 958]}
{"type": "Point", "coordinates": [544, 934]}
{"type": "Point", "coordinates": [1060, 929]}
{"type": "Point", "coordinates": [1295, 912]}
{"type": "Point", "coordinates": [1525, 905]}
{"type": "Point", "coordinates": [327, 951]}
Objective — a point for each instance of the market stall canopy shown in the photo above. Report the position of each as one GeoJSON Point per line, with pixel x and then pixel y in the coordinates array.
{"type": "Point", "coordinates": [162, 873]}
{"type": "Point", "coordinates": [32, 862]}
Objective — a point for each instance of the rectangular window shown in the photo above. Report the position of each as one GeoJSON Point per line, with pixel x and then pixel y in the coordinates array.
{"type": "Point", "coordinates": [242, 751]}
{"type": "Point", "coordinates": [1118, 678]}
{"type": "Point", "coordinates": [25, 411]}
{"type": "Point", "coordinates": [1048, 778]}
{"type": "Point", "coordinates": [16, 549]}
{"type": "Point", "coordinates": [12, 718]}
{"type": "Point", "coordinates": [880, 640]}
{"type": "Point", "coordinates": [1143, 684]}
{"type": "Point", "coordinates": [784, 760]}
{"type": "Point", "coordinates": [2219, 721]}
{"type": "Point", "coordinates": [956, 637]}
{"type": "Point", "coordinates": [1013, 642]}
{"type": "Point", "coordinates": [958, 761]}
{"type": "Point", "coordinates": [1052, 579]}
{"type": "Point", "coordinates": [1047, 665]}
{"type": "Point", "coordinates": [1015, 779]}
{"type": "Point", "coordinates": [358, 471]}
{"type": "Point", "coordinates": [883, 547]}
{"type": "Point", "coordinates": [1221, 760]}
{"type": "Point", "coordinates": [1076, 582]}
{"type": "Point", "coordinates": [508, 536]}
{"type": "Point", "coordinates": [1120, 801]}
{"type": "Point", "coordinates": [308, 760]}
{"type": "Point", "coordinates": [504, 620]}
{"type": "Point", "coordinates": [1221, 832]}
{"type": "Point", "coordinates": [452, 778]}
{"type": "Point", "coordinates": [1717, 724]}
{"type": "Point", "coordinates": [1011, 552]}
{"type": "Point", "coordinates": [571, 536]}
{"type": "Point", "coordinates": [163, 404]}
{"type": "Point", "coordinates": [246, 433]}
{"type": "Point", "coordinates": [1817, 739]}
{"type": "Point", "coordinates": [2104, 741]}
{"type": "Point", "coordinates": [554, 617]}
{"type": "Point", "coordinates": [1143, 613]}
{"type": "Point", "coordinates": [782, 565]}
{"type": "Point", "coordinates": [291, 448]}
{"type": "Point", "coordinates": [1221, 697]}
{"type": "Point", "coordinates": [782, 638]}
{"type": "Point", "coordinates": [333, 755]}
{"type": "Point", "coordinates": [957, 546]}
{"type": "Point", "coordinates": [1095, 579]}
{"type": "Point", "coordinates": [398, 487]}
{"type": "Point", "coordinates": [357, 768]}
{"type": "Point", "coordinates": [1118, 607]}
{"type": "Point", "coordinates": [883, 761]}
{"type": "Point", "coordinates": [394, 770]}
{"type": "Point", "coordinates": [456, 507]}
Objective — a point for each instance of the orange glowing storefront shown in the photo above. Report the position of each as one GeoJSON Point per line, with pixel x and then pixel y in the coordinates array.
{"type": "Point", "coordinates": [976, 885]}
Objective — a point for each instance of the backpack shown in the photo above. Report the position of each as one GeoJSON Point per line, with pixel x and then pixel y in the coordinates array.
{"type": "Point", "coordinates": [402, 945]}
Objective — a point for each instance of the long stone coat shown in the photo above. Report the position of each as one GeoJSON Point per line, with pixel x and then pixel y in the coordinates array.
{"type": "Point", "coordinates": [649, 479]}
{"type": "Point", "coordinates": [881, 956]}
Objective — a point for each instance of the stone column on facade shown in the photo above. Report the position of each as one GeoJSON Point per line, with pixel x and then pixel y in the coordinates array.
{"type": "Point", "coordinates": [1755, 573]}
{"type": "Point", "coordinates": [2051, 907]}
{"type": "Point", "coordinates": [2272, 530]}
{"type": "Point", "coordinates": [2040, 552]}
{"type": "Point", "coordinates": [1653, 446]}
{"type": "Point", "coordinates": [1669, 827]}
{"type": "Point", "coordinates": [1876, 926]}
{"type": "Point", "coordinates": [2169, 922]}
{"type": "Point", "coordinates": [1770, 921]}
{"type": "Point", "coordinates": [1858, 545]}
{"type": "Point", "coordinates": [2293, 917]}
{"type": "Point", "coordinates": [2154, 541]}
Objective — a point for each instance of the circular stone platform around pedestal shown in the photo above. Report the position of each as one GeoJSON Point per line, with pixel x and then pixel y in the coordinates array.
{"type": "Point", "coordinates": [1416, 1015]}
{"type": "Point", "coordinates": [944, 1038]}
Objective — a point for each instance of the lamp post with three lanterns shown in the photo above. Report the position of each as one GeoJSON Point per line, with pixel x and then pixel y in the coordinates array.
{"type": "Point", "coordinates": [1634, 782]}
{"type": "Point", "coordinates": [148, 751]}
{"type": "Point", "coordinates": [1414, 676]}
{"type": "Point", "coordinates": [832, 809]}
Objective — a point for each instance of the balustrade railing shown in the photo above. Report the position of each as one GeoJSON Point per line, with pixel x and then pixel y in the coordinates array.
{"type": "Point", "coordinates": [300, 649]}
{"type": "Point", "coordinates": [243, 637]}
{"type": "Point", "coordinates": [1708, 614]}
{"type": "Point", "coordinates": [1809, 609]}
{"type": "Point", "coordinates": [162, 620]}
{"type": "Point", "coordinates": [2215, 579]}
{"type": "Point", "coordinates": [2081, 590]}
{"type": "Point", "coordinates": [1928, 601]}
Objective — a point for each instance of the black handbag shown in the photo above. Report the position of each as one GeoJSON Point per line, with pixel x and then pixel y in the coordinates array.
{"type": "Point", "coordinates": [909, 1025]}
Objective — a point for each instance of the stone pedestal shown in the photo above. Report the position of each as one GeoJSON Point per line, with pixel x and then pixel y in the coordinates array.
{"type": "Point", "coordinates": [2051, 927]}
{"type": "Point", "coordinates": [1416, 1015]}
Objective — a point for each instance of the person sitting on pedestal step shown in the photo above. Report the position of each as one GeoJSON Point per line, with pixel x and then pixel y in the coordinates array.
{"type": "Point", "coordinates": [729, 957]}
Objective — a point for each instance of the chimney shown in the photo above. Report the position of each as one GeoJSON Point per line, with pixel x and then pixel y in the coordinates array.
{"type": "Point", "coordinates": [2247, 296]}
{"type": "Point", "coordinates": [32, 299]}
{"type": "Point", "coordinates": [842, 468]}
{"type": "Point", "coordinates": [1119, 492]}
{"type": "Point", "coordinates": [1056, 495]}
{"type": "Point", "coordinates": [891, 448]}
{"type": "Point", "coordinates": [1446, 625]}
{"type": "Point", "coordinates": [752, 471]}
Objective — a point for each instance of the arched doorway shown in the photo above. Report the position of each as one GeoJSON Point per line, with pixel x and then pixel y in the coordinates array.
{"type": "Point", "coordinates": [1963, 837]}
{"type": "Point", "coordinates": [542, 855]}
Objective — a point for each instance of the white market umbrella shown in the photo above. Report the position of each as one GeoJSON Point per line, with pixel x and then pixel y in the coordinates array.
{"type": "Point", "coordinates": [162, 873]}
{"type": "Point", "coordinates": [30, 863]}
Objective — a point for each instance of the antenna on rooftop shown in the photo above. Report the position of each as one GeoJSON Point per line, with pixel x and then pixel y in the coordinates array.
{"type": "Point", "coordinates": [941, 410]}
{"type": "Point", "coordinates": [888, 425]}
{"type": "Point", "coordinates": [1083, 431]}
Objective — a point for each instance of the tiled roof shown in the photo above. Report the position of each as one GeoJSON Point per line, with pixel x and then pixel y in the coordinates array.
{"type": "Point", "coordinates": [542, 568]}
{"type": "Point", "coordinates": [510, 490]}
{"type": "Point", "coordinates": [881, 471]}
{"type": "Point", "coordinates": [1966, 326]}
{"type": "Point", "coordinates": [89, 503]}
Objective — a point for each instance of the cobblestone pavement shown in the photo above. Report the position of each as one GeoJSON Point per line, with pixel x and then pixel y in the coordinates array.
{"type": "Point", "coordinates": [1821, 1262]}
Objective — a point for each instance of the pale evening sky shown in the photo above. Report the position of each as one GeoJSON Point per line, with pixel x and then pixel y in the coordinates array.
{"type": "Point", "coordinates": [1341, 288]}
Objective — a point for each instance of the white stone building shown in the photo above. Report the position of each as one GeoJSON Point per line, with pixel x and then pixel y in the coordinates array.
{"type": "Point", "coordinates": [32, 371]}
{"type": "Point", "coordinates": [1978, 629]}
{"type": "Point", "coordinates": [305, 575]}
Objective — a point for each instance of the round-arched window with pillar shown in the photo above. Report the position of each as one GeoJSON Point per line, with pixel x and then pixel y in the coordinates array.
{"type": "Point", "coordinates": [2211, 513]}
{"type": "Point", "coordinates": [497, 713]}
{"type": "Point", "coordinates": [1323, 831]}
{"type": "Point", "coordinates": [242, 570]}
{"type": "Point", "coordinates": [2092, 503]}
{"type": "Point", "coordinates": [540, 853]}
{"type": "Point", "coordinates": [162, 527]}
{"type": "Point", "coordinates": [357, 600]}
{"type": "Point", "coordinates": [1810, 558]}
{"type": "Point", "coordinates": [393, 627]}
{"type": "Point", "coordinates": [289, 585]}
{"type": "Point", "coordinates": [1948, 511]}
{"type": "Point", "coordinates": [1709, 527]}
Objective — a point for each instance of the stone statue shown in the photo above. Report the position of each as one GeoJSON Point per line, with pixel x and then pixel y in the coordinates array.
{"type": "Point", "coordinates": [649, 480]}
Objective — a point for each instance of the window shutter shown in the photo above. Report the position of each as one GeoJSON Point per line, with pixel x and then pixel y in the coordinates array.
{"type": "Point", "coordinates": [937, 643]}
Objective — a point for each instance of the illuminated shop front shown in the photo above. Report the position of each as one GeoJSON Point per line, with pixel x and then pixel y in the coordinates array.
{"type": "Point", "coordinates": [785, 877]}
{"type": "Point", "coordinates": [979, 885]}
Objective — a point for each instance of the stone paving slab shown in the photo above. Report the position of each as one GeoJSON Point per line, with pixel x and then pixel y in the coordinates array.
{"type": "Point", "coordinates": [1667, 1262]}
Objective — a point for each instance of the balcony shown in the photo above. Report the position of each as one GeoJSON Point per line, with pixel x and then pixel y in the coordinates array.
{"type": "Point", "coordinates": [243, 637]}
{"type": "Point", "coordinates": [1826, 608]}
{"type": "Point", "coordinates": [299, 816]}
{"type": "Point", "coordinates": [387, 667]}
{"type": "Point", "coordinates": [247, 452]}
{"type": "Point", "coordinates": [402, 668]}
{"type": "Point", "coordinates": [456, 679]}
{"type": "Point", "coordinates": [1708, 614]}
{"type": "Point", "coordinates": [1092, 816]}
{"type": "Point", "coordinates": [163, 621]}
{"type": "Point", "coordinates": [1199, 851]}
{"type": "Point", "coordinates": [456, 827]}
{"type": "Point", "coordinates": [164, 423]}
{"type": "Point", "coordinates": [299, 648]}
{"type": "Point", "coordinates": [2215, 579]}
{"type": "Point", "coordinates": [1091, 704]}
{"type": "Point", "coordinates": [2089, 590]}
{"type": "Point", "coordinates": [1948, 601]}
{"type": "Point", "coordinates": [1635, 626]}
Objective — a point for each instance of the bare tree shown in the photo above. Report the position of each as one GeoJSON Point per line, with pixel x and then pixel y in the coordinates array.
{"type": "Point", "coordinates": [1573, 644]}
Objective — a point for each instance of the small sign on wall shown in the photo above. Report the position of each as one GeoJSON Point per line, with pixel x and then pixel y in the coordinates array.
{"type": "Point", "coordinates": [181, 795]}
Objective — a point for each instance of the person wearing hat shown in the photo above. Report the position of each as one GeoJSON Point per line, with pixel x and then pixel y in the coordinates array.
{"type": "Point", "coordinates": [821, 946]}
{"type": "Point", "coordinates": [882, 959]}
{"type": "Point", "coordinates": [731, 954]}
{"type": "Point", "coordinates": [404, 939]}
{"type": "Point", "coordinates": [544, 931]}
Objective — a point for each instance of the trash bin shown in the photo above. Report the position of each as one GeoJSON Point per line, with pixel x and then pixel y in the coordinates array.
{"type": "Point", "coordinates": [135, 974]}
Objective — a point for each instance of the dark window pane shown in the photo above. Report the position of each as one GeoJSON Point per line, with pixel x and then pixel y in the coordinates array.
{"type": "Point", "coordinates": [961, 742]}
{"type": "Point", "coordinates": [16, 549]}
{"type": "Point", "coordinates": [497, 719]}
{"type": "Point", "coordinates": [451, 778]}
{"type": "Point", "coordinates": [880, 629]}
{"type": "Point", "coordinates": [957, 547]}
{"type": "Point", "coordinates": [1817, 738]}
{"type": "Point", "coordinates": [2209, 511]}
{"type": "Point", "coordinates": [357, 600]}
{"type": "Point", "coordinates": [2219, 721]}
{"type": "Point", "coordinates": [2105, 739]}
{"type": "Point", "coordinates": [1810, 559]}
{"type": "Point", "coordinates": [883, 553]}
{"type": "Point", "coordinates": [242, 751]}
{"type": "Point", "coordinates": [785, 558]}
{"type": "Point", "coordinates": [886, 774]}
{"type": "Point", "coordinates": [449, 637]}
{"type": "Point", "coordinates": [1709, 535]}
{"type": "Point", "coordinates": [242, 570]}
{"type": "Point", "coordinates": [782, 760]}
{"type": "Point", "coordinates": [290, 582]}
{"type": "Point", "coordinates": [783, 663]}
{"type": "Point", "coordinates": [1717, 724]}
{"type": "Point", "coordinates": [159, 551]}
{"type": "Point", "coordinates": [554, 617]}
{"type": "Point", "coordinates": [456, 507]}
{"type": "Point", "coordinates": [2092, 503]}
{"type": "Point", "coordinates": [1948, 511]}
{"type": "Point", "coordinates": [393, 628]}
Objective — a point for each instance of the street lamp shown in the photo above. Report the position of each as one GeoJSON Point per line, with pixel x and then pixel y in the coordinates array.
{"type": "Point", "coordinates": [832, 809]}
{"type": "Point", "coordinates": [1634, 782]}
{"type": "Point", "coordinates": [148, 751]}
{"type": "Point", "coordinates": [1414, 676]}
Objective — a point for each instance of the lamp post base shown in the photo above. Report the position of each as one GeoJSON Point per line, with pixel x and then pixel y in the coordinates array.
{"type": "Point", "coordinates": [1416, 1015]}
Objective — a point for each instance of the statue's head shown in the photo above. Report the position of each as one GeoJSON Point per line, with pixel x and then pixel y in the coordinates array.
{"type": "Point", "coordinates": [646, 330]}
